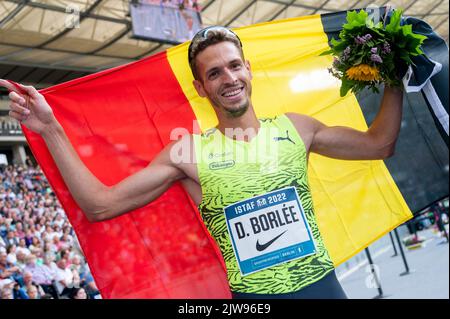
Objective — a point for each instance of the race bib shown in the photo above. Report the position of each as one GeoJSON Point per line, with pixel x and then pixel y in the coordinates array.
{"type": "Point", "coordinates": [269, 230]}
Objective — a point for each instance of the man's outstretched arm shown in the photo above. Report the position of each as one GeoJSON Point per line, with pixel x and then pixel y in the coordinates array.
{"type": "Point", "coordinates": [98, 201]}
{"type": "Point", "coordinates": [378, 142]}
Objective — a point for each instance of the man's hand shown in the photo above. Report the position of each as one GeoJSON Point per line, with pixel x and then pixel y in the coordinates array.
{"type": "Point", "coordinates": [28, 106]}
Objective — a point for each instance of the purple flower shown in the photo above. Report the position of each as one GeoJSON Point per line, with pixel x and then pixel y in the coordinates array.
{"type": "Point", "coordinates": [386, 48]}
{"type": "Point", "coordinates": [336, 63]}
{"type": "Point", "coordinates": [376, 58]}
{"type": "Point", "coordinates": [360, 40]}
{"type": "Point", "coordinates": [346, 53]}
{"type": "Point", "coordinates": [363, 39]}
{"type": "Point", "coordinates": [374, 50]}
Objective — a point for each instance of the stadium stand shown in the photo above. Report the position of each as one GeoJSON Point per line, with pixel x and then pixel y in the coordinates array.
{"type": "Point", "coordinates": [40, 257]}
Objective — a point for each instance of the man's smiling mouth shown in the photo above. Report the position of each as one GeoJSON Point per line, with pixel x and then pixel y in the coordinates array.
{"type": "Point", "coordinates": [234, 92]}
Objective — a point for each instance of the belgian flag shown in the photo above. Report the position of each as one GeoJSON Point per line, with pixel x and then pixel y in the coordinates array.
{"type": "Point", "coordinates": [119, 119]}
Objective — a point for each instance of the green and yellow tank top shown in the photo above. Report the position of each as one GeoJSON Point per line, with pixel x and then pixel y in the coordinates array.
{"type": "Point", "coordinates": [232, 171]}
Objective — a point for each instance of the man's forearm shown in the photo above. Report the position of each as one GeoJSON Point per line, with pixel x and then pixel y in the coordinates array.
{"type": "Point", "coordinates": [386, 126]}
{"type": "Point", "coordinates": [82, 184]}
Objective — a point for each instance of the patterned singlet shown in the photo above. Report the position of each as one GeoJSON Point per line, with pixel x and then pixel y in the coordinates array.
{"type": "Point", "coordinates": [231, 171]}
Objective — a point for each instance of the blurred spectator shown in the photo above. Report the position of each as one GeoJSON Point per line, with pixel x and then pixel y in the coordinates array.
{"type": "Point", "coordinates": [20, 263]}
{"type": "Point", "coordinates": [28, 237]}
{"type": "Point", "coordinates": [7, 293]}
{"type": "Point", "coordinates": [35, 244]}
{"type": "Point", "coordinates": [11, 251]}
{"type": "Point", "coordinates": [8, 270]}
{"type": "Point", "coordinates": [64, 278]}
{"type": "Point", "coordinates": [11, 238]}
{"type": "Point", "coordinates": [20, 290]}
{"type": "Point", "coordinates": [23, 247]}
{"type": "Point", "coordinates": [34, 233]}
{"type": "Point", "coordinates": [33, 293]}
{"type": "Point", "coordinates": [38, 272]}
{"type": "Point", "coordinates": [78, 293]}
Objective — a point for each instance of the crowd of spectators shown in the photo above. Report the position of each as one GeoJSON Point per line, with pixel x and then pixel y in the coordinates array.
{"type": "Point", "coordinates": [40, 257]}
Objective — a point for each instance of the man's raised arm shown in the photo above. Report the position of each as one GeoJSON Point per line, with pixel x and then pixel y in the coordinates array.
{"type": "Point", "coordinates": [98, 201]}
{"type": "Point", "coordinates": [378, 142]}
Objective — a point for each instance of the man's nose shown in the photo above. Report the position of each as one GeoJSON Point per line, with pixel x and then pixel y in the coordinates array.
{"type": "Point", "coordinates": [230, 76]}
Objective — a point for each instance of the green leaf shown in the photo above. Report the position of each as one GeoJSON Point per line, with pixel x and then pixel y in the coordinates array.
{"type": "Point", "coordinates": [355, 19]}
{"type": "Point", "coordinates": [419, 51]}
{"type": "Point", "coordinates": [357, 61]}
{"type": "Point", "coordinates": [394, 23]}
{"type": "Point", "coordinates": [370, 24]}
{"type": "Point", "coordinates": [334, 42]}
{"type": "Point", "coordinates": [407, 29]}
{"type": "Point", "coordinates": [345, 87]}
{"type": "Point", "coordinates": [328, 52]}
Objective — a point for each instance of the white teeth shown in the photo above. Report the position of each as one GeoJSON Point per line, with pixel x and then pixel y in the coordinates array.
{"type": "Point", "coordinates": [232, 93]}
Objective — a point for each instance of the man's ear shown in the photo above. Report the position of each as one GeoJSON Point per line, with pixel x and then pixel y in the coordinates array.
{"type": "Point", "coordinates": [249, 68]}
{"type": "Point", "coordinates": [199, 88]}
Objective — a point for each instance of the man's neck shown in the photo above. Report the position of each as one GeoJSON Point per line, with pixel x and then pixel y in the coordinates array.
{"type": "Point", "coordinates": [248, 124]}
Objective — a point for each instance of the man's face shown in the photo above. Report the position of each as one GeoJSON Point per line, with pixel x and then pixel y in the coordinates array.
{"type": "Point", "coordinates": [32, 292]}
{"type": "Point", "coordinates": [27, 278]}
{"type": "Point", "coordinates": [224, 78]}
{"type": "Point", "coordinates": [30, 260]}
{"type": "Point", "coordinates": [62, 263]}
{"type": "Point", "coordinates": [7, 293]}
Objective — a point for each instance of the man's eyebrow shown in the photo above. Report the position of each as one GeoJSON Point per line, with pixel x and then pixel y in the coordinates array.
{"type": "Point", "coordinates": [235, 60]}
{"type": "Point", "coordinates": [212, 69]}
{"type": "Point", "coordinates": [216, 68]}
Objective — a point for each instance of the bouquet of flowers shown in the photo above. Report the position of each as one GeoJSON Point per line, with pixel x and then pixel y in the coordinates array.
{"type": "Point", "coordinates": [369, 53]}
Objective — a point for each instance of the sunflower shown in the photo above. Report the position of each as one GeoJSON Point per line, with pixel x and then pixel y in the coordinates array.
{"type": "Point", "coordinates": [363, 72]}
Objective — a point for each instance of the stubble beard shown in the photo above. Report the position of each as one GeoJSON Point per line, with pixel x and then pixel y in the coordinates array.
{"type": "Point", "coordinates": [234, 112]}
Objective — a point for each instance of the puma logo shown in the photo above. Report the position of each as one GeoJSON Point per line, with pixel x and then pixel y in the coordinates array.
{"type": "Point", "coordinates": [281, 138]}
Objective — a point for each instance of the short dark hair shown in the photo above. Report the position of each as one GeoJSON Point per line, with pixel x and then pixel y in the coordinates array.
{"type": "Point", "coordinates": [209, 36]}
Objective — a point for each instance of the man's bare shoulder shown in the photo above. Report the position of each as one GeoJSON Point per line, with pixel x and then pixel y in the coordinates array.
{"type": "Point", "coordinates": [302, 122]}
{"type": "Point", "coordinates": [298, 118]}
{"type": "Point", "coordinates": [305, 125]}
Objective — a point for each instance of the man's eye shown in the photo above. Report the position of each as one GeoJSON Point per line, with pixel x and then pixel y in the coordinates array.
{"type": "Point", "coordinates": [236, 66]}
{"type": "Point", "coordinates": [213, 74]}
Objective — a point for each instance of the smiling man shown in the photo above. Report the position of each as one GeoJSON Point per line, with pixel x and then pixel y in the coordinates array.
{"type": "Point", "coordinates": [248, 176]}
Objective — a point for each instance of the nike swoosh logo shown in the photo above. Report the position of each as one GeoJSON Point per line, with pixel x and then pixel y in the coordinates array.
{"type": "Point", "coordinates": [262, 247]}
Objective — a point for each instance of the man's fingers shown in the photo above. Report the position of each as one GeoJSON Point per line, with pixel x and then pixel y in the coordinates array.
{"type": "Point", "coordinates": [31, 90]}
{"type": "Point", "coordinates": [8, 85]}
{"type": "Point", "coordinates": [14, 97]}
{"type": "Point", "coordinates": [19, 108]}
{"type": "Point", "coordinates": [18, 116]}
{"type": "Point", "coordinates": [19, 88]}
